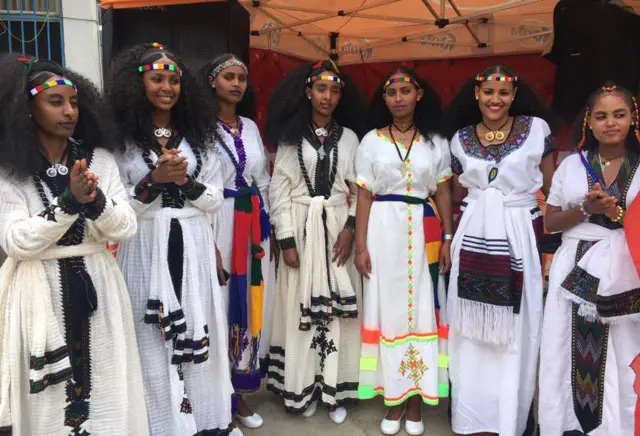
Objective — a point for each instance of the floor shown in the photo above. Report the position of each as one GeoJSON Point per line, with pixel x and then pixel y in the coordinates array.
{"type": "Point", "coordinates": [363, 420]}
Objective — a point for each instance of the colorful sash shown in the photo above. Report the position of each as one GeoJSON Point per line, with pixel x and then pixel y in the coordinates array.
{"type": "Point", "coordinates": [243, 315]}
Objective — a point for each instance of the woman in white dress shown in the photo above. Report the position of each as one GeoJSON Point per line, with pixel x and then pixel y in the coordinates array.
{"type": "Point", "coordinates": [69, 363]}
{"type": "Point", "coordinates": [590, 333]}
{"type": "Point", "coordinates": [173, 179]}
{"type": "Point", "coordinates": [501, 152]}
{"type": "Point", "coordinates": [243, 249]}
{"type": "Point", "coordinates": [312, 115]}
{"type": "Point", "coordinates": [404, 199]}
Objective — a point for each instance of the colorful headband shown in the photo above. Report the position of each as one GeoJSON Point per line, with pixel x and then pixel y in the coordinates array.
{"type": "Point", "coordinates": [401, 79]}
{"type": "Point", "coordinates": [496, 78]}
{"type": "Point", "coordinates": [336, 79]}
{"type": "Point", "coordinates": [169, 67]}
{"type": "Point", "coordinates": [50, 84]}
{"type": "Point", "coordinates": [233, 62]}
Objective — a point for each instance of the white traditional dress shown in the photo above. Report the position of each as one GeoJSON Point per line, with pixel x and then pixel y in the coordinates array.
{"type": "Point", "coordinates": [69, 362]}
{"type": "Point", "coordinates": [401, 353]}
{"type": "Point", "coordinates": [316, 334]}
{"type": "Point", "coordinates": [170, 269]}
{"type": "Point", "coordinates": [590, 335]}
{"type": "Point", "coordinates": [495, 289]}
{"type": "Point", "coordinates": [244, 169]}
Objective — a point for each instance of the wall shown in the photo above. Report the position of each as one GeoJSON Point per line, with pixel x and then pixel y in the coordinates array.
{"type": "Point", "coordinates": [82, 38]}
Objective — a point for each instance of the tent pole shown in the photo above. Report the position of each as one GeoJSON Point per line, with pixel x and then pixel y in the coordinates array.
{"type": "Point", "coordinates": [431, 9]}
{"type": "Point", "coordinates": [443, 6]}
{"type": "Point", "coordinates": [471, 31]}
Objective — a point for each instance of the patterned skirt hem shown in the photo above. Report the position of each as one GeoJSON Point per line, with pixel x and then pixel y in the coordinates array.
{"type": "Point", "coordinates": [369, 392]}
{"type": "Point", "coordinates": [317, 396]}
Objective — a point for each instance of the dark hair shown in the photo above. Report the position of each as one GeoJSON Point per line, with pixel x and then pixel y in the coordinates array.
{"type": "Point", "coordinates": [583, 136]}
{"type": "Point", "coordinates": [289, 109]}
{"type": "Point", "coordinates": [194, 115]}
{"type": "Point", "coordinates": [19, 142]}
{"type": "Point", "coordinates": [247, 106]}
{"type": "Point", "coordinates": [463, 111]}
{"type": "Point", "coordinates": [426, 116]}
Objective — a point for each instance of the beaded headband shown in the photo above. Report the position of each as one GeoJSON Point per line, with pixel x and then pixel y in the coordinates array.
{"type": "Point", "coordinates": [319, 77]}
{"type": "Point", "coordinates": [168, 67]}
{"type": "Point", "coordinates": [50, 84]}
{"type": "Point", "coordinates": [496, 78]}
{"type": "Point", "coordinates": [233, 62]}
{"type": "Point", "coordinates": [411, 80]}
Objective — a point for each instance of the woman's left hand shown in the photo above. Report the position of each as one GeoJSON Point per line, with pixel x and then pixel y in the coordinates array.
{"type": "Point", "coordinates": [342, 247]}
{"type": "Point", "coordinates": [445, 257]}
{"type": "Point", "coordinates": [275, 248]}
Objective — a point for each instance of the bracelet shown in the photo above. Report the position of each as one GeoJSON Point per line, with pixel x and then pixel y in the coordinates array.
{"type": "Point", "coordinates": [361, 251]}
{"type": "Point", "coordinates": [620, 215]}
{"type": "Point", "coordinates": [448, 237]}
{"type": "Point", "coordinates": [583, 210]}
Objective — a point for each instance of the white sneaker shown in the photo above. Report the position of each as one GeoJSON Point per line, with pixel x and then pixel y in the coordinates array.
{"type": "Point", "coordinates": [414, 428]}
{"type": "Point", "coordinates": [253, 421]}
{"type": "Point", "coordinates": [311, 410]}
{"type": "Point", "coordinates": [236, 432]}
{"type": "Point", "coordinates": [339, 415]}
{"type": "Point", "coordinates": [391, 427]}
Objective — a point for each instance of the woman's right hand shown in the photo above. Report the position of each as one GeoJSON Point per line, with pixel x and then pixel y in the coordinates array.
{"type": "Point", "coordinates": [363, 263]}
{"type": "Point", "coordinates": [82, 183]}
{"type": "Point", "coordinates": [170, 168]}
{"type": "Point", "coordinates": [290, 257]}
{"type": "Point", "coordinates": [598, 201]}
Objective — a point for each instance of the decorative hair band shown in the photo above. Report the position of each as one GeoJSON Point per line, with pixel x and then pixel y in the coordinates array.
{"type": "Point", "coordinates": [411, 80]}
{"type": "Point", "coordinates": [635, 118]}
{"type": "Point", "coordinates": [169, 67]}
{"type": "Point", "coordinates": [336, 79]}
{"type": "Point", "coordinates": [609, 89]}
{"type": "Point", "coordinates": [28, 62]}
{"type": "Point", "coordinates": [50, 84]}
{"type": "Point", "coordinates": [496, 78]}
{"type": "Point", "coordinates": [233, 62]}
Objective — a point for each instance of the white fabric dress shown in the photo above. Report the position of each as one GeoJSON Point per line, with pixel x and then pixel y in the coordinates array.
{"type": "Point", "coordinates": [246, 375]}
{"type": "Point", "coordinates": [192, 395]}
{"type": "Point", "coordinates": [320, 361]}
{"type": "Point", "coordinates": [586, 379]}
{"type": "Point", "coordinates": [401, 356]}
{"type": "Point", "coordinates": [493, 348]}
{"type": "Point", "coordinates": [48, 246]}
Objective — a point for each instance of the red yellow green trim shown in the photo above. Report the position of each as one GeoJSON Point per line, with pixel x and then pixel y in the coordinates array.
{"type": "Point", "coordinates": [369, 392]}
{"type": "Point", "coordinates": [390, 141]}
{"type": "Point", "coordinates": [362, 184]}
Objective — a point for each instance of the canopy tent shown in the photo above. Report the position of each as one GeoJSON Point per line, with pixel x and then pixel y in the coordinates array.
{"type": "Point", "coordinates": [359, 31]}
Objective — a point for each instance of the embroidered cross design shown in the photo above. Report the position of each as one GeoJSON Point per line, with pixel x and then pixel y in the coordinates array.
{"type": "Point", "coordinates": [412, 367]}
{"type": "Point", "coordinates": [49, 213]}
{"type": "Point", "coordinates": [323, 346]}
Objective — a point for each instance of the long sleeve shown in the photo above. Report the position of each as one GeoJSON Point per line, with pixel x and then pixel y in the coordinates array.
{"type": "Point", "coordinates": [24, 236]}
{"type": "Point", "coordinates": [126, 162]}
{"type": "Point", "coordinates": [111, 213]}
{"type": "Point", "coordinates": [211, 197]}
{"type": "Point", "coordinates": [351, 145]}
{"type": "Point", "coordinates": [261, 173]}
{"type": "Point", "coordinates": [280, 197]}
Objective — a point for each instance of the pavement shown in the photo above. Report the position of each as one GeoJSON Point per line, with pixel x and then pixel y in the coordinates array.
{"type": "Point", "coordinates": [362, 420]}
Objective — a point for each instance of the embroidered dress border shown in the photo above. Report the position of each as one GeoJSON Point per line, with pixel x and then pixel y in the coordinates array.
{"type": "Point", "coordinates": [370, 392]}
{"type": "Point", "coordinates": [6, 431]}
{"type": "Point", "coordinates": [316, 390]}
{"type": "Point", "coordinates": [627, 303]}
{"type": "Point", "coordinates": [49, 358]}
{"type": "Point", "coordinates": [496, 152]}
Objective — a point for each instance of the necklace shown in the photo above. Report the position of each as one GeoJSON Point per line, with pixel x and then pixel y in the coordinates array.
{"type": "Point", "coordinates": [321, 130]}
{"type": "Point", "coordinates": [58, 167]}
{"type": "Point", "coordinates": [241, 162]}
{"type": "Point", "coordinates": [232, 126]}
{"type": "Point", "coordinates": [495, 134]}
{"type": "Point", "coordinates": [604, 163]}
{"type": "Point", "coordinates": [403, 166]}
{"type": "Point", "coordinates": [162, 132]}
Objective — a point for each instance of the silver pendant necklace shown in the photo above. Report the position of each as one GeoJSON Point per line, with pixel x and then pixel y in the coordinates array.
{"type": "Point", "coordinates": [58, 167]}
{"type": "Point", "coordinates": [162, 132]}
{"type": "Point", "coordinates": [321, 130]}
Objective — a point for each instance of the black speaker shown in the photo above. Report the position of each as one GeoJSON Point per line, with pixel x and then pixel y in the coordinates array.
{"type": "Point", "coordinates": [594, 41]}
{"type": "Point", "coordinates": [196, 32]}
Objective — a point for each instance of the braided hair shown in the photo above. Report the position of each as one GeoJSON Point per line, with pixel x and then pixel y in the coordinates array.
{"type": "Point", "coordinates": [19, 142]}
{"type": "Point", "coordinates": [584, 138]}
{"type": "Point", "coordinates": [427, 113]}
{"type": "Point", "coordinates": [194, 114]}
{"type": "Point", "coordinates": [247, 106]}
{"type": "Point", "coordinates": [289, 110]}
{"type": "Point", "coordinates": [463, 110]}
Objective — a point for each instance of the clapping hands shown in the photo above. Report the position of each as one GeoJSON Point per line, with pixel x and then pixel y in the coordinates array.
{"type": "Point", "coordinates": [83, 184]}
{"type": "Point", "coordinates": [170, 168]}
